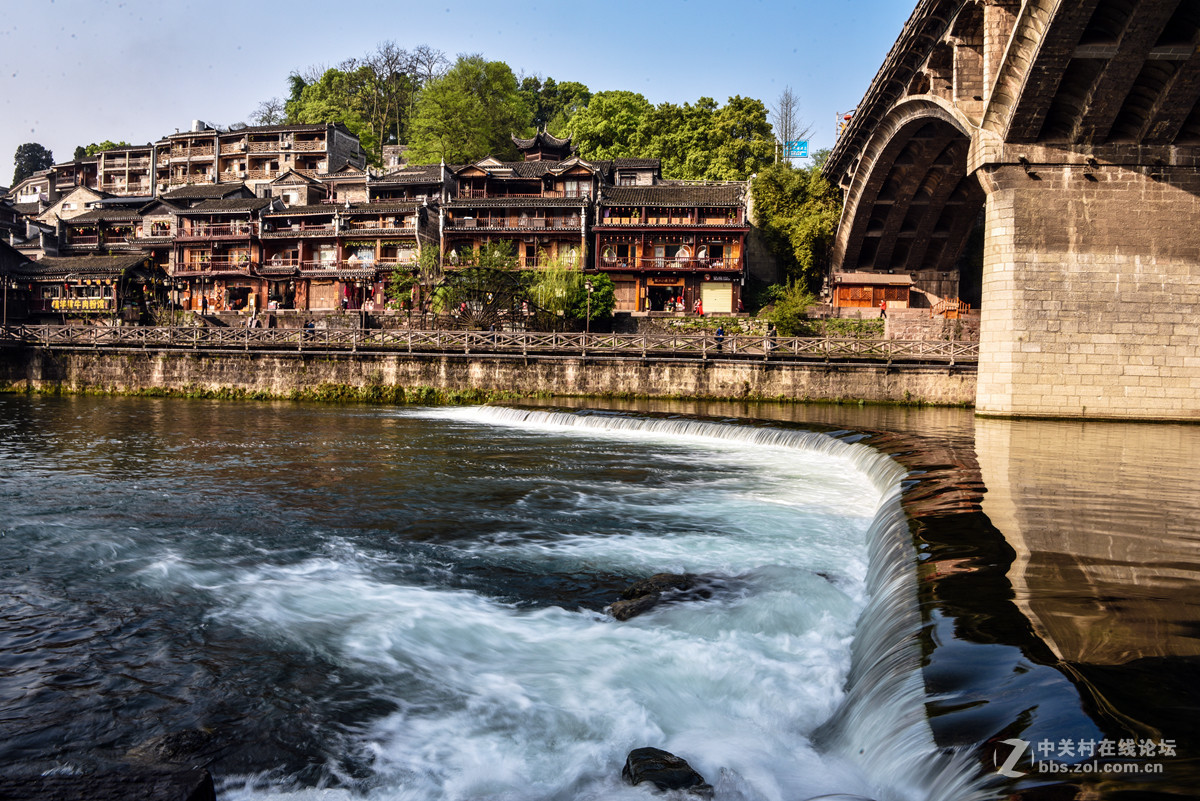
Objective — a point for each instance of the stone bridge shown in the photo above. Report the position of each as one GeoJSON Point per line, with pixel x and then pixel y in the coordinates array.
{"type": "Point", "coordinates": [1041, 159]}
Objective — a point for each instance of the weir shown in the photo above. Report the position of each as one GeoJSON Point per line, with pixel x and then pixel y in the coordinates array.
{"type": "Point", "coordinates": [882, 724]}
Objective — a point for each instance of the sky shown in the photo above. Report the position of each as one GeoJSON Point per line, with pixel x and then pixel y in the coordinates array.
{"type": "Point", "coordinates": [74, 72]}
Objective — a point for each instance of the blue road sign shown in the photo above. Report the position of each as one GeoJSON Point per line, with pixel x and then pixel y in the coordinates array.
{"type": "Point", "coordinates": [796, 149]}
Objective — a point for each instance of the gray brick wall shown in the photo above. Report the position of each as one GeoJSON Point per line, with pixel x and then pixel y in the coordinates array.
{"type": "Point", "coordinates": [1091, 294]}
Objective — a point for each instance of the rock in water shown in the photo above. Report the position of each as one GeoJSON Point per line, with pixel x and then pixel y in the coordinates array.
{"type": "Point", "coordinates": [659, 583]}
{"type": "Point", "coordinates": [643, 595]}
{"type": "Point", "coordinates": [665, 771]}
{"type": "Point", "coordinates": [623, 610]}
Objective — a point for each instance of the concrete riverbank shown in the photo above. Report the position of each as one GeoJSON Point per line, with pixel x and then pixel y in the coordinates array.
{"type": "Point", "coordinates": [401, 376]}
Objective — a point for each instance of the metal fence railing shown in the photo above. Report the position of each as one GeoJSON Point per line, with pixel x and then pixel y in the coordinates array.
{"type": "Point", "coordinates": [680, 346]}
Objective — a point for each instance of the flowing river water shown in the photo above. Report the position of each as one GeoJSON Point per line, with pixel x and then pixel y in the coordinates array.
{"type": "Point", "coordinates": [341, 602]}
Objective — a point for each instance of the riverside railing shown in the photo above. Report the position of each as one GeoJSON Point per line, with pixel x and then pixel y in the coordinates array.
{"type": "Point", "coordinates": [701, 346]}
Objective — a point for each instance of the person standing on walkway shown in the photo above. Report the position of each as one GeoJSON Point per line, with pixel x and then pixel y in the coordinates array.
{"type": "Point", "coordinates": [204, 305]}
{"type": "Point", "coordinates": [720, 337]}
{"type": "Point", "coordinates": [883, 309]}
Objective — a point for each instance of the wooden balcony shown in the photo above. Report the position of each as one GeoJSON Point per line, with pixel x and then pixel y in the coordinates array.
{"type": "Point", "coordinates": [380, 227]}
{"type": "Point", "coordinates": [300, 230]}
{"type": "Point", "coordinates": [191, 153]}
{"type": "Point", "coordinates": [571, 223]}
{"type": "Point", "coordinates": [240, 230]}
{"type": "Point", "coordinates": [214, 264]}
{"type": "Point", "coordinates": [468, 193]}
{"type": "Point", "coordinates": [691, 265]}
{"type": "Point", "coordinates": [309, 146]}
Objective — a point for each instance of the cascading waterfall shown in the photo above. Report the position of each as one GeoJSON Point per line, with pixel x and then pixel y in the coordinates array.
{"type": "Point", "coordinates": [881, 724]}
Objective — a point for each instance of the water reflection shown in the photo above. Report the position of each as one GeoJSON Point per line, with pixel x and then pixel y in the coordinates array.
{"type": "Point", "coordinates": [1103, 520]}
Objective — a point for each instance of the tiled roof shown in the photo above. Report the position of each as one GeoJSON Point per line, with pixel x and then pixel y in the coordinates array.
{"type": "Point", "coordinates": [903, 279]}
{"type": "Point", "coordinates": [543, 138]}
{"type": "Point", "coordinates": [384, 207]}
{"type": "Point", "coordinates": [409, 175]}
{"type": "Point", "coordinates": [203, 191]}
{"type": "Point", "coordinates": [673, 195]}
{"type": "Point", "coordinates": [290, 176]}
{"type": "Point", "coordinates": [105, 215]}
{"type": "Point", "coordinates": [297, 211]}
{"type": "Point", "coordinates": [229, 205]}
{"type": "Point", "coordinates": [81, 266]}
{"type": "Point", "coordinates": [514, 169]}
{"type": "Point", "coordinates": [257, 129]}
{"type": "Point", "coordinates": [26, 208]}
{"type": "Point", "coordinates": [637, 164]}
{"type": "Point", "coordinates": [11, 259]}
{"type": "Point", "coordinates": [346, 172]}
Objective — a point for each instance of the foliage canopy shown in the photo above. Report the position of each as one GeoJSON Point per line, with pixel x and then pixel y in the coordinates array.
{"type": "Point", "coordinates": [797, 210]}
{"type": "Point", "coordinates": [469, 113]}
{"type": "Point", "coordinates": [30, 157]}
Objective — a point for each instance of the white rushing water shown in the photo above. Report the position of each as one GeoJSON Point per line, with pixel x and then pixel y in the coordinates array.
{"type": "Point", "coordinates": [797, 681]}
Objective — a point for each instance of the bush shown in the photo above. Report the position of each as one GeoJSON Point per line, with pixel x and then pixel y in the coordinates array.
{"type": "Point", "coordinates": [790, 311]}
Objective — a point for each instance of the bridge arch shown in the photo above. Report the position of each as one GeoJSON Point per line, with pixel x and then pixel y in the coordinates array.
{"type": "Point", "coordinates": [911, 204]}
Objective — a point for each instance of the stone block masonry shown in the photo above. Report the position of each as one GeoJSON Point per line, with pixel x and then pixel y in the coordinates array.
{"type": "Point", "coordinates": [367, 376]}
{"type": "Point", "coordinates": [1093, 309]}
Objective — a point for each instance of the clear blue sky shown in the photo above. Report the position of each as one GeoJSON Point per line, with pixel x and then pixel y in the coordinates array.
{"type": "Point", "coordinates": [79, 71]}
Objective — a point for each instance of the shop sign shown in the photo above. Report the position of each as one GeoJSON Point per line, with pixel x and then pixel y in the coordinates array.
{"type": "Point", "coordinates": [79, 304]}
{"type": "Point", "coordinates": [718, 277]}
{"type": "Point", "coordinates": [665, 281]}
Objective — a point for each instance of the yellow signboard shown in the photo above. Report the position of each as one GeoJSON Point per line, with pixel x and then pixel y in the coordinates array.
{"type": "Point", "coordinates": [80, 304]}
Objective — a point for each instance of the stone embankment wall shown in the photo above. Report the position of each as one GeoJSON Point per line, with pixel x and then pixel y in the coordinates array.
{"type": "Point", "coordinates": [922, 324]}
{"type": "Point", "coordinates": [350, 375]}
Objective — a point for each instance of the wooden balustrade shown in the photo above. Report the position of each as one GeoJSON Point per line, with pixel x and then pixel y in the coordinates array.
{"type": "Point", "coordinates": [734, 347]}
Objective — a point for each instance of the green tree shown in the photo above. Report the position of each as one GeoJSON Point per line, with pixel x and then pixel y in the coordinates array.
{"type": "Point", "coordinates": [613, 125]}
{"type": "Point", "coordinates": [797, 211]}
{"type": "Point", "coordinates": [694, 141]}
{"type": "Point", "coordinates": [561, 289]}
{"type": "Point", "coordinates": [603, 301]}
{"type": "Point", "coordinates": [468, 113]}
{"type": "Point", "coordinates": [553, 103]}
{"type": "Point", "coordinates": [107, 144]}
{"type": "Point", "coordinates": [29, 158]}
{"type": "Point", "coordinates": [338, 96]}
{"type": "Point", "coordinates": [744, 143]}
{"type": "Point", "coordinates": [790, 310]}
{"type": "Point", "coordinates": [499, 255]}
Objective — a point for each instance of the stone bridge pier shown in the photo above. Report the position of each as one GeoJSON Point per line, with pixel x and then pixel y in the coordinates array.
{"type": "Point", "coordinates": [1041, 159]}
{"type": "Point", "coordinates": [1090, 302]}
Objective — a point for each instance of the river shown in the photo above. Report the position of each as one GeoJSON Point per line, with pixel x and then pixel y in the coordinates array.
{"type": "Point", "coordinates": [331, 602]}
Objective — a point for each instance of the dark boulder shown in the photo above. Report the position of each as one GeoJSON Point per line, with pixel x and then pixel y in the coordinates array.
{"type": "Point", "coordinates": [643, 595]}
{"type": "Point", "coordinates": [114, 785]}
{"type": "Point", "coordinates": [193, 747]}
{"type": "Point", "coordinates": [659, 583]}
{"type": "Point", "coordinates": [665, 771]}
{"type": "Point", "coordinates": [623, 610]}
